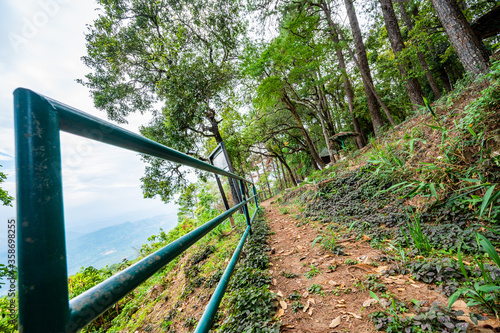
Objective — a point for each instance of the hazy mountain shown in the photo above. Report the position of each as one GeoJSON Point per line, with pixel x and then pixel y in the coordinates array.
{"type": "Point", "coordinates": [112, 244]}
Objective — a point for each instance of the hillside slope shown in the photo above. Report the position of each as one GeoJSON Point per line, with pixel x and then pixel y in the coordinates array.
{"type": "Point", "coordinates": [388, 238]}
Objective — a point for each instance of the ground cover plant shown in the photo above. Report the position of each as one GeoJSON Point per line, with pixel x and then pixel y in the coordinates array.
{"type": "Point", "coordinates": [430, 190]}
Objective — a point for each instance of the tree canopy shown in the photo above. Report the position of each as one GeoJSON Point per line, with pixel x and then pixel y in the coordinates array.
{"type": "Point", "coordinates": [275, 79]}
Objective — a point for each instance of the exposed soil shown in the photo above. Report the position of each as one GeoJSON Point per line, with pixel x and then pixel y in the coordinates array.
{"type": "Point", "coordinates": [340, 307]}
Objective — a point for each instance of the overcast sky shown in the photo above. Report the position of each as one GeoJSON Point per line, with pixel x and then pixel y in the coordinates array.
{"type": "Point", "coordinates": [41, 43]}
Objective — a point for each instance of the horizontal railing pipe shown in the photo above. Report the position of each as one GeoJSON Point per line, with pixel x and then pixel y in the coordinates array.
{"type": "Point", "coordinates": [82, 124]}
{"type": "Point", "coordinates": [42, 268]}
{"type": "Point", "coordinates": [208, 316]}
{"type": "Point", "coordinates": [92, 303]}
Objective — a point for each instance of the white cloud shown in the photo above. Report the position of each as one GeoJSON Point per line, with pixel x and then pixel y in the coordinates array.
{"type": "Point", "coordinates": [99, 180]}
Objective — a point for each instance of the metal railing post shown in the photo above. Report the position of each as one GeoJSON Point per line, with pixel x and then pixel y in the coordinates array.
{"type": "Point", "coordinates": [245, 207]}
{"type": "Point", "coordinates": [44, 304]}
{"type": "Point", "coordinates": [41, 250]}
{"type": "Point", "coordinates": [254, 190]}
{"type": "Point", "coordinates": [208, 316]}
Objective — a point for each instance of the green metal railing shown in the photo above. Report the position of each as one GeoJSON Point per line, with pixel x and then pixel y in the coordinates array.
{"type": "Point", "coordinates": [44, 304]}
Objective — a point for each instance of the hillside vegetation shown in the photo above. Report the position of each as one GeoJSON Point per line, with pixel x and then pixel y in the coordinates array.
{"type": "Point", "coordinates": [426, 195]}
{"type": "Point", "coordinates": [378, 121]}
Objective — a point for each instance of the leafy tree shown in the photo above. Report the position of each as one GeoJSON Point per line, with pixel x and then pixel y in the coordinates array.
{"type": "Point", "coordinates": [177, 55]}
{"type": "Point", "coordinates": [4, 195]}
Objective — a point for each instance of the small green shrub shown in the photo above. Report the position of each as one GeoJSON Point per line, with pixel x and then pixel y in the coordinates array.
{"type": "Point", "coordinates": [315, 289]}
{"type": "Point", "coordinates": [313, 271]}
{"type": "Point", "coordinates": [296, 306]}
{"type": "Point", "coordinates": [351, 262]}
{"type": "Point", "coordinates": [289, 275]}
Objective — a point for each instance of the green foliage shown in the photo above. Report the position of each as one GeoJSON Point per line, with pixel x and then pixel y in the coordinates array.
{"type": "Point", "coordinates": [5, 198]}
{"type": "Point", "coordinates": [436, 319]}
{"type": "Point", "coordinates": [313, 271]}
{"type": "Point", "coordinates": [485, 291]}
{"type": "Point", "coordinates": [181, 55]}
{"type": "Point", "coordinates": [8, 314]}
{"type": "Point", "coordinates": [294, 296]}
{"type": "Point", "coordinates": [85, 279]}
{"type": "Point", "coordinates": [284, 210]}
{"type": "Point", "coordinates": [418, 238]}
{"type": "Point", "coordinates": [387, 161]}
{"type": "Point", "coordinates": [351, 262]}
{"type": "Point", "coordinates": [251, 305]}
{"type": "Point", "coordinates": [372, 283]}
{"type": "Point", "coordinates": [316, 289]}
{"type": "Point", "coordinates": [328, 240]}
{"type": "Point", "coordinates": [297, 306]}
{"type": "Point", "coordinates": [288, 275]}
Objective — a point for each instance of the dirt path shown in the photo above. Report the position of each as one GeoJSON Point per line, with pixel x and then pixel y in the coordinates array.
{"type": "Point", "coordinates": [338, 306]}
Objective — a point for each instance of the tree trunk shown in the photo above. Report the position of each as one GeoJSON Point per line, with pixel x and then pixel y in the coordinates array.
{"type": "Point", "coordinates": [469, 48]}
{"type": "Point", "coordinates": [310, 145]}
{"type": "Point", "coordinates": [421, 57]}
{"type": "Point", "coordinates": [265, 176]}
{"type": "Point", "coordinates": [364, 67]}
{"type": "Point", "coordinates": [329, 120]}
{"type": "Point", "coordinates": [277, 173]}
{"type": "Point", "coordinates": [391, 23]}
{"type": "Point", "coordinates": [214, 129]}
{"type": "Point", "coordinates": [322, 121]}
{"type": "Point", "coordinates": [361, 138]}
{"type": "Point", "coordinates": [445, 79]}
{"type": "Point", "coordinates": [367, 82]}
{"type": "Point", "coordinates": [290, 173]}
{"type": "Point", "coordinates": [283, 173]}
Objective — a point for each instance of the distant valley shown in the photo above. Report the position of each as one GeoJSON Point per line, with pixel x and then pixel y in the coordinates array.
{"type": "Point", "coordinates": [111, 244]}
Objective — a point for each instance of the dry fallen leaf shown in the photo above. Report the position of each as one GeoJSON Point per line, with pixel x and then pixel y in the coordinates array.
{"type": "Point", "coordinates": [460, 305]}
{"type": "Point", "coordinates": [306, 307]}
{"type": "Point", "coordinates": [283, 304]}
{"type": "Point", "coordinates": [312, 301]}
{"type": "Point", "coordinates": [364, 267]}
{"type": "Point", "coordinates": [280, 313]}
{"type": "Point", "coordinates": [493, 323]}
{"type": "Point", "coordinates": [310, 312]}
{"type": "Point", "coordinates": [279, 293]}
{"type": "Point", "coordinates": [354, 315]}
{"type": "Point", "coordinates": [336, 322]}
{"type": "Point", "coordinates": [369, 302]}
{"type": "Point", "coordinates": [366, 238]}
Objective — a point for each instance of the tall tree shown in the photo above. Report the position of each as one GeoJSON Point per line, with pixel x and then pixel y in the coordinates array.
{"type": "Point", "coordinates": [420, 55]}
{"type": "Point", "coordinates": [411, 83]}
{"type": "Point", "coordinates": [177, 54]}
{"type": "Point", "coordinates": [364, 67]}
{"type": "Point", "coordinates": [361, 138]}
{"type": "Point", "coordinates": [291, 106]}
{"type": "Point", "coordinates": [469, 48]}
